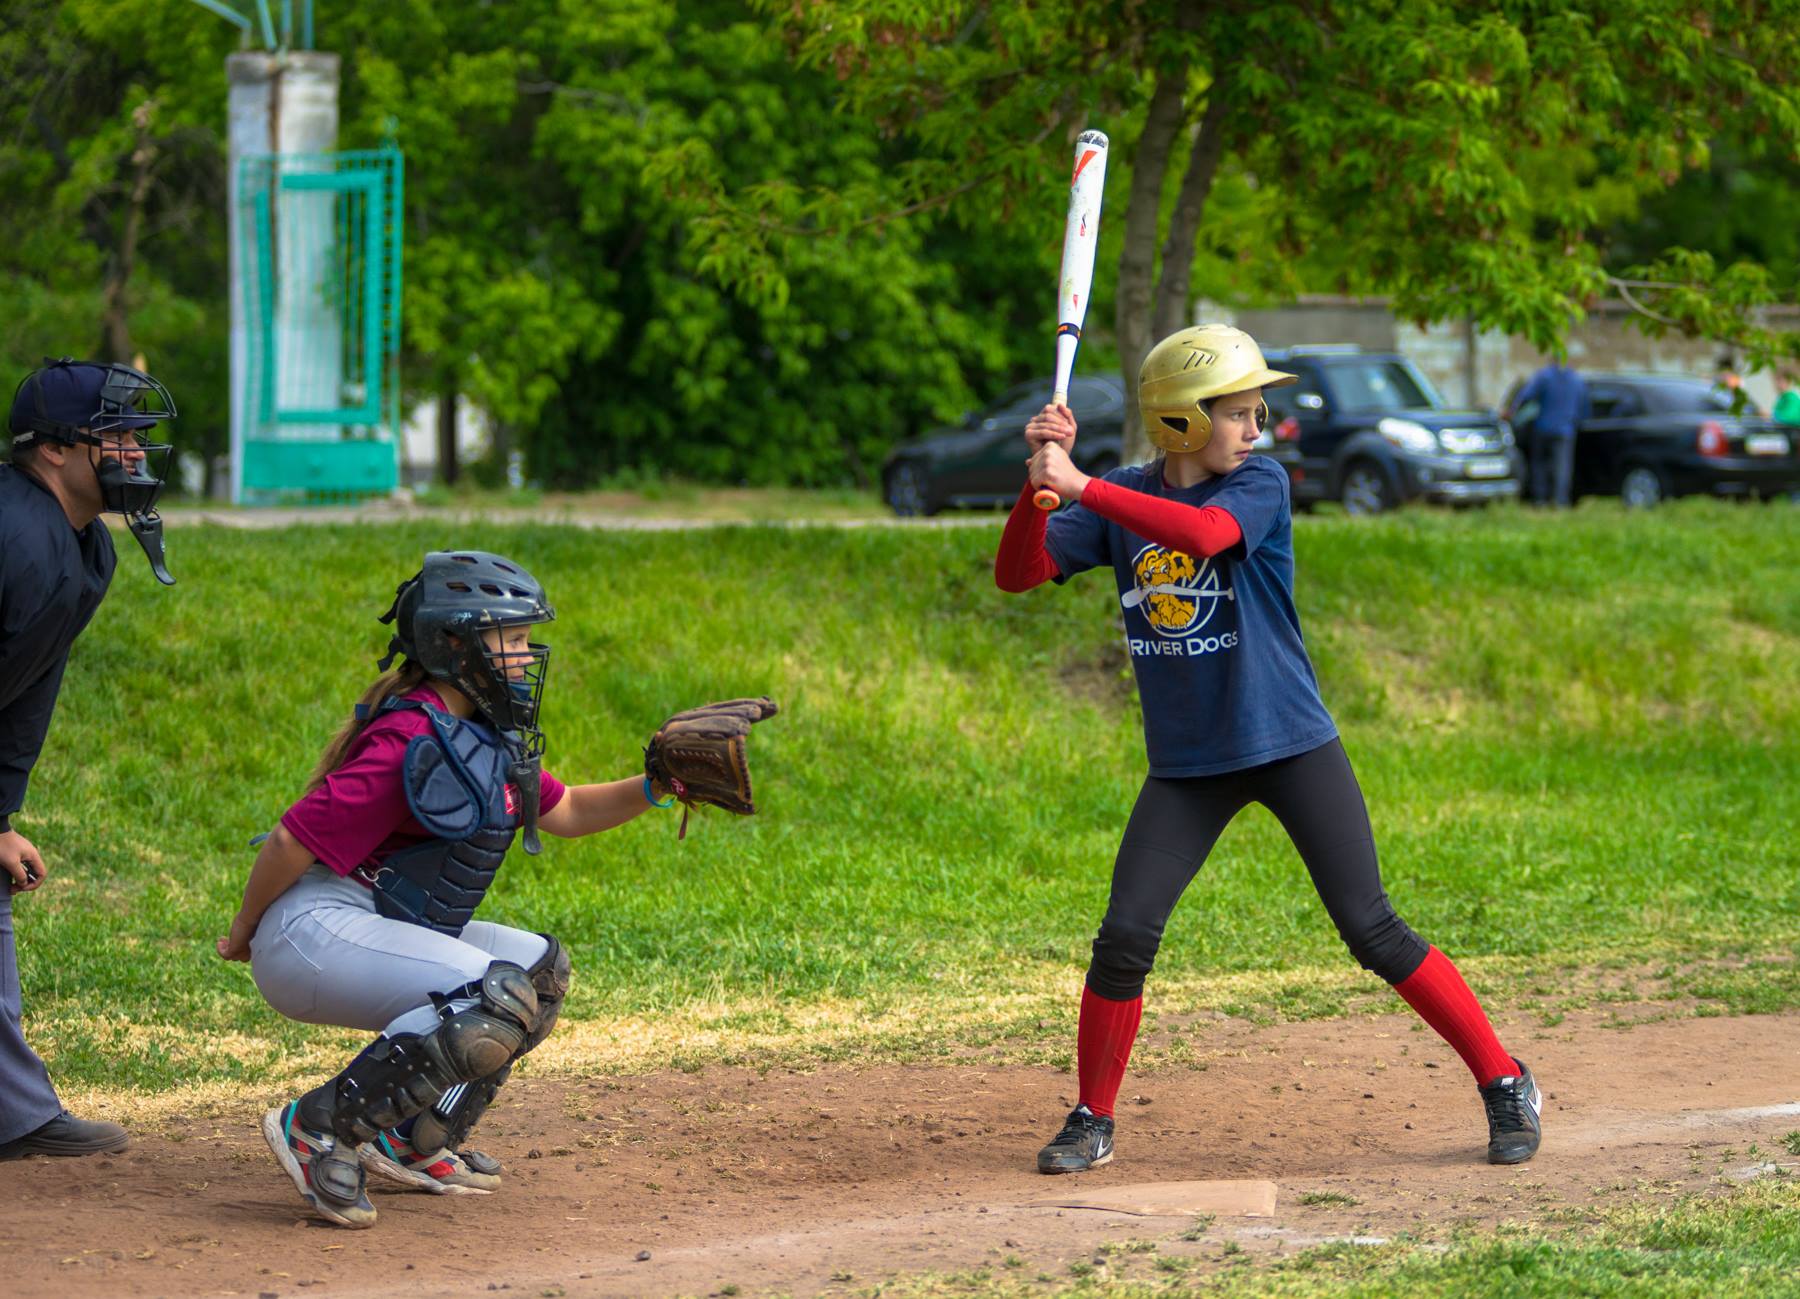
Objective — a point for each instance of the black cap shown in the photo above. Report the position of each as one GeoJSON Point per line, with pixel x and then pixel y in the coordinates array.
{"type": "Point", "coordinates": [67, 395]}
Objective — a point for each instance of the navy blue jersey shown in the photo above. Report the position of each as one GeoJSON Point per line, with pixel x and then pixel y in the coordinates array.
{"type": "Point", "coordinates": [1215, 642]}
{"type": "Point", "coordinates": [52, 578]}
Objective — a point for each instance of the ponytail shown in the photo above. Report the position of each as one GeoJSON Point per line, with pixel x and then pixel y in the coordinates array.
{"type": "Point", "coordinates": [407, 677]}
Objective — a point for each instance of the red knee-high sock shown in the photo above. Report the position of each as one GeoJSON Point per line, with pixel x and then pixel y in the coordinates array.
{"type": "Point", "coordinates": [1437, 991]}
{"type": "Point", "coordinates": [1103, 1045]}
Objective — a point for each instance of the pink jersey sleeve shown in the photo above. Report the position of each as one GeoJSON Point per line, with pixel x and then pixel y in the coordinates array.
{"type": "Point", "coordinates": [363, 802]}
{"type": "Point", "coordinates": [550, 792]}
{"type": "Point", "coordinates": [360, 813]}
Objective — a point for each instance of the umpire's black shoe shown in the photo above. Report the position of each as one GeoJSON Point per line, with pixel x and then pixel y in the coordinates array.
{"type": "Point", "coordinates": [67, 1135]}
{"type": "Point", "coordinates": [1086, 1141]}
{"type": "Point", "coordinates": [1513, 1105]}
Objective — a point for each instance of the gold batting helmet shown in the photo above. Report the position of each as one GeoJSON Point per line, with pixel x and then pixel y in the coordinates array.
{"type": "Point", "coordinates": [1190, 368]}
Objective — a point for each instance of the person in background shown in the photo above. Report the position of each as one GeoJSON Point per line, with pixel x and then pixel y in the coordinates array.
{"type": "Point", "coordinates": [1728, 379]}
{"type": "Point", "coordinates": [1561, 395]}
{"type": "Point", "coordinates": [1787, 405]}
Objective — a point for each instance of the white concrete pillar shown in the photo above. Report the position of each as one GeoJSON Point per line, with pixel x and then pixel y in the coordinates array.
{"type": "Point", "coordinates": [278, 103]}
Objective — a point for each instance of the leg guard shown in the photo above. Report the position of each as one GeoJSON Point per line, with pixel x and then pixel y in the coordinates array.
{"type": "Point", "coordinates": [447, 1125]}
{"type": "Point", "coordinates": [401, 1076]}
{"type": "Point", "coordinates": [550, 975]}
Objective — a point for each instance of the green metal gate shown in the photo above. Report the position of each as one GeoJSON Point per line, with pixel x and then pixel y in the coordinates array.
{"type": "Point", "coordinates": [319, 258]}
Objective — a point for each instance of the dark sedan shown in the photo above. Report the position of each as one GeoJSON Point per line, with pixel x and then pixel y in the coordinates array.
{"type": "Point", "coordinates": [982, 462]}
{"type": "Point", "coordinates": [1652, 436]}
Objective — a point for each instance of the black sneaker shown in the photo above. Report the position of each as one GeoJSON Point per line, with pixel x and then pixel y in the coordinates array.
{"type": "Point", "coordinates": [69, 1136]}
{"type": "Point", "coordinates": [1086, 1141]}
{"type": "Point", "coordinates": [1513, 1105]}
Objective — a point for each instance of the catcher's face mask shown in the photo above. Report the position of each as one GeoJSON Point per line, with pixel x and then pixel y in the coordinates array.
{"type": "Point", "coordinates": [108, 409]}
{"type": "Point", "coordinates": [502, 671]}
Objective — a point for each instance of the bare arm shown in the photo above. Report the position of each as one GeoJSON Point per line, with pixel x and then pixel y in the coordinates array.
{"type": "Point", "coordinates": [589, 809]}
{"type": "Point", "coordinates": [283, 860]}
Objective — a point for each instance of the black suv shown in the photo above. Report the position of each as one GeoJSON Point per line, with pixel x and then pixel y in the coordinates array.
{"type": "Point", "coordinates": [1652, 436]}
{"type": "Point", "coordinates": [982, 462]}
{"type": "Point", "coordinates": [1372, 433]}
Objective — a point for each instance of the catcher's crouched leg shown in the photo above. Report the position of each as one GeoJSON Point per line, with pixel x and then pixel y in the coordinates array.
{"type": "Point", "coordinates": [446, 1125]}
{"type": "Point", "coordinates": [317, 1138]}
{"type": "Point", "coordinates": [403, 1075]}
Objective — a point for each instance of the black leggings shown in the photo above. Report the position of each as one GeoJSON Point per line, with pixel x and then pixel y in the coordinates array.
{"type": "Point", "coordinates": [1174, 826]}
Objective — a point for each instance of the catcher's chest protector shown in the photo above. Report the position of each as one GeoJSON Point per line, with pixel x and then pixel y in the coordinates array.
{"type": "Point", "coordinates": [455, 778]}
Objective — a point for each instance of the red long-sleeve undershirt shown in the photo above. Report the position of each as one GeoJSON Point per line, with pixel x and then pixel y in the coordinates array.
{"type": "Point", "coordinates": [1022, 561]}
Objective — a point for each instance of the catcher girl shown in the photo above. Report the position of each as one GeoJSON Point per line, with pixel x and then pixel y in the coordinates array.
{"type": "Point", "coordinates": [1200, 542]}
{"type": "Point", "coordinates": [359, 907]}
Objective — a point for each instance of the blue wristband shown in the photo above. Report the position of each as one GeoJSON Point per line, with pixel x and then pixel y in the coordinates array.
{"type": "Point", "coordinates": [650, 797]}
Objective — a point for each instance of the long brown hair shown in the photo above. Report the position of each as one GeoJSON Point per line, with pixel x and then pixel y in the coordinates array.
{"type": "Point", "coordinates": [408, 676]}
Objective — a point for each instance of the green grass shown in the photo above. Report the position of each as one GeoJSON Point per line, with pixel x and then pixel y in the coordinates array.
{"type": "Point", "coordinates": [623, 496]}
{"type": "Point", "coordinates": [1577, 735]}
{"type": "Point", "coordinates": [1744, 1243]}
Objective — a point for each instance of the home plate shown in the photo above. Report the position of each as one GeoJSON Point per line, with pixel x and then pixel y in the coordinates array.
{"type": "Point", "coordinates": [1172, 1199]}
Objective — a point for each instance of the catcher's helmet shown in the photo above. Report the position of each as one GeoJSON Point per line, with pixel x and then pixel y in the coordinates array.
{"type": "Point", "coordinates": [1188, 369]}
{"type": "Point", "coordinates": [439, 615]}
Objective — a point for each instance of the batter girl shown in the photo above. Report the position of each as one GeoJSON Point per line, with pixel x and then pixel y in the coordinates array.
{"type": "Point", "coordinates": [358, 909]}
{"type": "Point", "coordinates": [1200, 541]}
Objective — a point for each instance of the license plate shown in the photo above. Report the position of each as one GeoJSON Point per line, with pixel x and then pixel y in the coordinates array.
{"type": "Point", "coordinates": [1488, 467]}
{"type": "Point", "coordinates": [1766, 444]}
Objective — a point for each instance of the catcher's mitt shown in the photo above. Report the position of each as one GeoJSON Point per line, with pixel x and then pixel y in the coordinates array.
{"type": "Point", "coordinates": [699, 755]}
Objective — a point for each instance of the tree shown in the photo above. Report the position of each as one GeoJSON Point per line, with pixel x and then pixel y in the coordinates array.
{"type": "Point", "coordinates": [1464, 158]}
{"type": "Point", "coordinates": [559, 161]}
{"type": "Point", "coordinates": [563, 168]}
{"type": "Point", "coordinates": [112, 240]}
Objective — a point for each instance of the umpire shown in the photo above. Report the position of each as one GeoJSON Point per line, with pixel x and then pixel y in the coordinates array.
{"type": "Point", "coordinates": [77, 450]}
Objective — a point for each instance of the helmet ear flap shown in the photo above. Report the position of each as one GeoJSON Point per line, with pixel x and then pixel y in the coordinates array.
{"type": "Point", "coordinates": [1202, 431]}
{"type": "Point", "coordinates": [1186, 432]}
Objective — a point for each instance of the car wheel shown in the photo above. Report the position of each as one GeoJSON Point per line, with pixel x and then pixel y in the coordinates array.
{"type": "Point", "coordinates": [909, 490]}
{"type": "Point", "coordinates": [1366, 489]}
{"type": "Point", "coordinates": [1641, 488]}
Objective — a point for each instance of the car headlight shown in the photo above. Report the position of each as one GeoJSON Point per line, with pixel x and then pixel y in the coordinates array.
{"type": "Point", "coordinates": [1407, 435]}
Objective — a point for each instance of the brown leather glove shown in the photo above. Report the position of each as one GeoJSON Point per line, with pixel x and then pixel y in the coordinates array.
{"type": "Point", "coordinates": [701, 755]}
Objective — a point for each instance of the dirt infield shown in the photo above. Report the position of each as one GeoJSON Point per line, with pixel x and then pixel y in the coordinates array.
{"type": "Point", "coordinates": [696, 1183]}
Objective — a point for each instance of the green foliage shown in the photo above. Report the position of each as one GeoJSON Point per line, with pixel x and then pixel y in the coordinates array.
{"type": "Point", "coordinates": [1561, 767]}
{"type": "Point", "coordinates": [1740, 207]}
{"type": "Point", "coordinates": [1466, 158]}
{"type": "Point", "coordinates": [561, 190]}
{"type": "Point", "coordinates": [564, 165]}
{"type": "Point", "coordinates": [747, 240]}
{"type": "Point", "coordinates": [91, 84]}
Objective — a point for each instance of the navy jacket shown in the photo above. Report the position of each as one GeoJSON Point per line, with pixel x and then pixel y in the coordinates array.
{"type": "Point", "coordinates": [52, 578]}
{"type": "Point", "coordinates": [1562, 398]}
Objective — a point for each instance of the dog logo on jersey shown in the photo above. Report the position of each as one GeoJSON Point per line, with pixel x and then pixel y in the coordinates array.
{"type": "Point", "coordinates": [1177, 593]}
